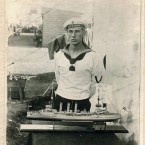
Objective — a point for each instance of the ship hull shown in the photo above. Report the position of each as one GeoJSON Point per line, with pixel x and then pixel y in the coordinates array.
{"type": "Point", "coordinates": [101, 117]}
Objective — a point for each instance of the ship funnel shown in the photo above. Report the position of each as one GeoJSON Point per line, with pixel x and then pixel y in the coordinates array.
{"type": "Point", "coordinates": [60, 107]}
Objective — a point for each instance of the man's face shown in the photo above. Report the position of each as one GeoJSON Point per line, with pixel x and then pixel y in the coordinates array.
{"type": "Point", "coordinates": [75, 35]}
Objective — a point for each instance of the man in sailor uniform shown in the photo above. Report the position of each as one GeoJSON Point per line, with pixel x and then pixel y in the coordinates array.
{"type": "Point", "coordinates": [76, 67]}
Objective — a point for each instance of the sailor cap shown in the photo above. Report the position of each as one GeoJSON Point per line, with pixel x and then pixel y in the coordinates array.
{"type": "Point", "coordinates": [74, 22]}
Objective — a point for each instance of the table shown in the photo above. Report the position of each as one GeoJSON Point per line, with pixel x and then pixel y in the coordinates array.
{"type": "Point", "coordinates": [43, 133]}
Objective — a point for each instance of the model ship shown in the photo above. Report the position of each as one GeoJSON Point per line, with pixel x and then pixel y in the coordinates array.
{"type": "Point", "coordinates": [100, 114]}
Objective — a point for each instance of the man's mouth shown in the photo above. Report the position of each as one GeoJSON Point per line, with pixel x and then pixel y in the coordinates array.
{"type": "Point", "coordinates": [73, 40]}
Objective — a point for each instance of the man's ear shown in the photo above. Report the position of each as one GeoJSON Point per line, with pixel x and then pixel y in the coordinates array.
{"type": "Point", "coordinates": [66, 37]}
{"type": "Point", "coordinates": [84, 33]}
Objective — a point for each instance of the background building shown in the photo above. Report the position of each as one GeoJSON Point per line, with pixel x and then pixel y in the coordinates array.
{"type": "Point", "coordinates": [53, 21]}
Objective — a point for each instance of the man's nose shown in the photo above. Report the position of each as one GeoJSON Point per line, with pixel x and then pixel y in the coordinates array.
{"type": "Point", "coordinates": [73, 34]}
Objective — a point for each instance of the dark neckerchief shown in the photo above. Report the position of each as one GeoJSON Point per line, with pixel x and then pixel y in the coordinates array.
{"type": "Point", "coordinates": [73, 60]}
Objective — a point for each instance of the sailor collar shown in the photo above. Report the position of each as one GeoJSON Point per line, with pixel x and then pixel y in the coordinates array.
{"type": "Point", "coordinates": [87, 49]}
{"type": "Point", "coordinates": [79, 57]}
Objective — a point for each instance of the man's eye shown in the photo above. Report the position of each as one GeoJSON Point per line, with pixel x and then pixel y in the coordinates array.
{"type": "Point", "coordinates": [70, 31]}
{"type": "Point", "coordinates": [77, 31]}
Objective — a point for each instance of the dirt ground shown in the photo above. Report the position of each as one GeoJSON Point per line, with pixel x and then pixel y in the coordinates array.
{"type": "Point", "coordinates": [16, 115]}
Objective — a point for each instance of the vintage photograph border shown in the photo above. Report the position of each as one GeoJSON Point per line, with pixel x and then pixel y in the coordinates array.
{"type": "Point", "coordinates": [3, 84]}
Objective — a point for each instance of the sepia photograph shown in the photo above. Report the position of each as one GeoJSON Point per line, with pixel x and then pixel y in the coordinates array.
{"type": "Point", "coordinates": [73, 72]}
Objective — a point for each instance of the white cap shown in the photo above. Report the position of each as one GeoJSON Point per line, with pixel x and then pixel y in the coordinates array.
{"type": "Point", "coordinates": [74, 22]}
